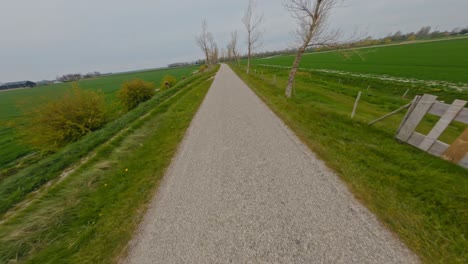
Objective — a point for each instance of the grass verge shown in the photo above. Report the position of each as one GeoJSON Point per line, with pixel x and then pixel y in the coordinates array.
{"type": "Point", "coordinates": [14, 188]}
{"type": "Point", "coordinates": [421, 198]}
{"type": "Point", "coordinates": [90, 216]}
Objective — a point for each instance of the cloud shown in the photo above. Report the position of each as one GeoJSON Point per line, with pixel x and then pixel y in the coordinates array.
{"type": "Point", "coordinates": [43, 39]}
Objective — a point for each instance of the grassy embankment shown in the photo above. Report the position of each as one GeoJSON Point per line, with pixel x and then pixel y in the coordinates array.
{"type": "Point", "coordinates": [91, 215]}
{"type": "Point", "coordinates": [15, 188]}
{"type": "Point", "coordinates": [442, 60]}
{"type": "Point", "coordinates": [423, 199]}
{"type": "Point", "coordinates": [12, 102]}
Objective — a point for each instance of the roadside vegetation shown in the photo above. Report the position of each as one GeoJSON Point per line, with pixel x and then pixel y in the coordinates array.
{"type": "Point", "coordinates": [168, 81]}
{"type": "Point", "coordinates": [134, 92]}
{"type": "Point", "coordinates": [90, 215]}
{"type": "Point", "coordinates": [15, 103]}
{"type": "Point", "coordinates": [15, 187]}
{"type": "Point", "coordinates": [422, 198]}
{"type": "Point", "coordinates": [56, 123]}
{"type": "Point", "coordinates": [202, 68]}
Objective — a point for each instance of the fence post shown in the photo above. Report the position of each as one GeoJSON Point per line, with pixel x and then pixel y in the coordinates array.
{"type": "Point", "coordinates": [404, 95]}
{"type": "Point", "coordinates": [356, 104]}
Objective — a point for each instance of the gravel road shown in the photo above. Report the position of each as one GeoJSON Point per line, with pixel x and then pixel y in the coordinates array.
{"type": "Point", "coordinates": [244, 189]}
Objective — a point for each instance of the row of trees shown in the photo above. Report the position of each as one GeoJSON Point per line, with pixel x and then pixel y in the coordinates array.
{"type": "Point", "coordinates": [252, 22]}
{"type": "Point", "coordinates": [71, 77]}
{"type": "Point", "coordinates": [422, 34]}
{"type": "Point", "coordinates": [311, 33]}
{"type": "Point", "coordinates": [311, 15]}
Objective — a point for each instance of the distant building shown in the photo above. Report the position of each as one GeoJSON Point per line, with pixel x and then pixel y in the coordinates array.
{"type": "Point", "coordinates": [13, 85]}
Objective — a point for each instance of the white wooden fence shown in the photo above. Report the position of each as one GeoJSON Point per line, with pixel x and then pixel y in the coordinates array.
{"type": "Point", "coordinates": [427, 104]}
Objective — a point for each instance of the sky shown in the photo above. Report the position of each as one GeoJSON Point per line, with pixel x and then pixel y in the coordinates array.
{"type": "Point", "coordinates": [43, 39]}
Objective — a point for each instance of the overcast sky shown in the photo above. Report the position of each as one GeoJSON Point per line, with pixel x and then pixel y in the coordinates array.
{"type": "Point", "coordinates": [40, 39]}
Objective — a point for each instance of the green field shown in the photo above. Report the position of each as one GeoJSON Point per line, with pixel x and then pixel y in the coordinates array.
{"type": "Point", "coordinates": [441, 61]}
{"type": "Point", "coordinates": [12, 103]}
{"type": "Point", "coordinates": [90, 216]}
{"type": "Point", "coordinates": [422, 198]}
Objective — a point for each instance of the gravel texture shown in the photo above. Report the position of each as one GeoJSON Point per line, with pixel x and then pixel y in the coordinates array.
{"type": "Point", "coordinates": [243, 189]}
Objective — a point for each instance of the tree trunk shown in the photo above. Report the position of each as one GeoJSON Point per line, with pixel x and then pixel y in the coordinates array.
{"type": "Point", "coordinates": [248, 60]}
{"type": "Point", "coordinates": [207, 55]}
{"type": "Point", "coordinates": [292, 73]}
{"type": "Point", "coordinates": [249, 50]}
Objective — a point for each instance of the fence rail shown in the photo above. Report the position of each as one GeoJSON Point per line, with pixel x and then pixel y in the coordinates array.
{"type": "Point", "coordinates": [427, 104]}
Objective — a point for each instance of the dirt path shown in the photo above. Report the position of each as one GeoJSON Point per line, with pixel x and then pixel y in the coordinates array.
{"type": "Point", "coordinates": [244, 189]}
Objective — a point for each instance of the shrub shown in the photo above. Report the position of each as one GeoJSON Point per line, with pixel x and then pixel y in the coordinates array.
{"type": "Point", "coordinates": [134, 92]}
{"type": "Point", "coordinates": [412, 37]}
{"type": "Point", "coordinates": [202, 68]}
{"type": "Point", "coordinates": [56, 123]}
{"type": "Point", "coordinates": [168, 82]}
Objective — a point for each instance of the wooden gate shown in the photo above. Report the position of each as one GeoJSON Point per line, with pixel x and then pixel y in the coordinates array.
{"type": "Point", "coordinates": [427, 104]}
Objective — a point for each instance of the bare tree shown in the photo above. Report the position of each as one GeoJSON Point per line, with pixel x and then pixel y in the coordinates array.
{"type": "Point", "coordinates": [213, 51]}
{"type": "Point", "coordinates": [424, 31]}
{"type": "Point", "coordinates": [223, 54]}
{"type": "Point", "coordinates": [252, 22]}
{"type": "Point", "coordinates": [312, 18]}
{"type": "Point", "coordinates": [204, 40]}
{"type": "Point", "coordinates": [232, 52]}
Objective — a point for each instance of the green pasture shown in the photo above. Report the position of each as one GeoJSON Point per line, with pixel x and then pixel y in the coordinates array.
{"type": "Point", "coordinates": [441, 61]}
{"type": "Point", "coordinates": [14, 102]}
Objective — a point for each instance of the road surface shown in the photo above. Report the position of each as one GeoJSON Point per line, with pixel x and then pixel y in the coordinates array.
{"type": "Point", "coordinates": [244, 189]}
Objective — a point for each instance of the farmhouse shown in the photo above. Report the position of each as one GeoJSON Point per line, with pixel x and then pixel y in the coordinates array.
{"type": "Point", "coordinates": [13, 85]}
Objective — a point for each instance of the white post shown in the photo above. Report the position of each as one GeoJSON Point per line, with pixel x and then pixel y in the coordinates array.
{"type": "Point", "coordinates": [356, 104]}
{"type": "Point", "coordinates": [404, 95]}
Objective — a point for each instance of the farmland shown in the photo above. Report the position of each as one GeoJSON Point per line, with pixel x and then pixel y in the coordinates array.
{"type": "Point", "coordinates": [12, 103]}
{"type": "Point", "coordinates": [441, 61]}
